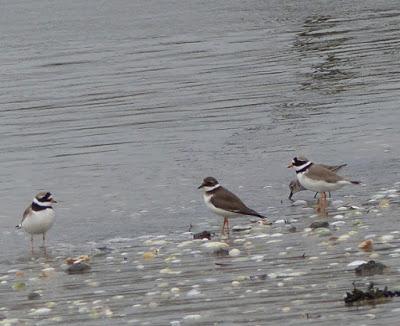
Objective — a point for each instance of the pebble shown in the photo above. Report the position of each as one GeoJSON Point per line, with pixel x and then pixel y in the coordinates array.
{"type": "Point", "coordinates": [34, 296]}
{"type": "Point", "coordinates": [343, 237]}
{"type": "Point", "coordinates": [387, 238]}
{"type": "Point", "coordinates": [370, 268]}
{"type": "Point", "coordinates": [235, 283]}
{"type": "Point", "coordinates": [366, 245]}
{"type": "Point", "coordinates": [40, 312]}
{"type": "Point", "coordinates": [234, 252]}
{"type": "Point", "coordinates": [78, 268]}
{"type": "Point", "coordinates": [319, 224]}
{"type": "Point", "coordinates": [323, 232]}
{"type": "Point", "coordinates": [218, 248]}
{"type": "Point", "coordinates": [155, 242]}
{"type": "Point", "coordinates": [18, 286]}
{"type": "Point", "coordinates": [338, 223]}
{"type": "Point", "coordinates": [299, 202]}
{"type": "Point", "coordinates": [192, 317]}
{"type": "Point", "coordinates": [356, 263]}
{"type": "Point", "coordinates": [169, 271]}
{"type": "Point", "coordinates": [193, 293]}
{"type": "Point", "coordinates": [240, 228]}
{"type": "Point", "coordinates": [175, 290]}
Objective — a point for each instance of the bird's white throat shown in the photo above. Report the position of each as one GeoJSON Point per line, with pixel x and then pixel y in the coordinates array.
{"type": "Point", "coordinates": [206, 188]}
{"type": "Point", "coordinates": [303, 167]}
{"type": "Point", "coordinates": [42, 204]}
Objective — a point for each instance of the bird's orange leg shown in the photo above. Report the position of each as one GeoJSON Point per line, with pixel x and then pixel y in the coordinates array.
{"type": "Point", "coordinates": [324, 205]}
{"type": "Point", "coordinates": [225, 226]}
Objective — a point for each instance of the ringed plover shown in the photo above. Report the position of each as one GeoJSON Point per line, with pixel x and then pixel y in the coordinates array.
{"type": "Point", "coordinates": [39, 216]}
{"type": "Point", "coordinates": [318, 178]}
{"type": "Point", "coordinates": [295, 185]}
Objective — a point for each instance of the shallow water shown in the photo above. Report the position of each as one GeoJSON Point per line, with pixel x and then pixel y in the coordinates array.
{"type": "Point", "coordinates": [121, 108]}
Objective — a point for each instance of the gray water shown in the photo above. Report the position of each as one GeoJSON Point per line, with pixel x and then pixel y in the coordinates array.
{"type": "Point", "coordinates": [121, 108]}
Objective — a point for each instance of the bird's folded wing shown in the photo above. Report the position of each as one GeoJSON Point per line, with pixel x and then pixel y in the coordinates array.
{"type": "Point", "coordinates": [318, 172]}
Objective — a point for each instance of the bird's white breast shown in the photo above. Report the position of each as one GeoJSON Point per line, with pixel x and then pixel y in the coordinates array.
{"type": "Point", "coordinates": [319, 185]}
{"type": "Point", "coordinates": [38, 222]}
{"type": "Point", "coordinates": [216, 210]}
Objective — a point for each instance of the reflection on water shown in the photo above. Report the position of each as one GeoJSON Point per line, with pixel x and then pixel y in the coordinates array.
{"type": "Point", "coordinates": [121, 108]}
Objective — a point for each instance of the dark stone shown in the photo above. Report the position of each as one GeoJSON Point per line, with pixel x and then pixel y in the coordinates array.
{"type": "Point", "coordinates": [260, 277]}
{"type": "Point", "coordinates": [319, 224]}
{"type": "Point", "coordinates": [291, 228]}
{"type": "Point", "coordinates": [221, 252]}
{"type": "Point", "coordinates": [78, 268]}
{"type": "Point", "coordinates": [370, 268]}
{"type": "Point", "coordinates": [202, 235]}
{"type": "Point", "coordinates": [102, 251]}
{"type": "Point", "coordinates": [34, 296]}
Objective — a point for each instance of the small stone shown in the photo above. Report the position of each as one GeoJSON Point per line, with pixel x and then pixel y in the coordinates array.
{"type": "Point", "coordinates": [78, 268]}
{"type": "Point", "coordinates": [387, 238]}
{"type": "Point", "coordinates": [19, 286]}
{"type": "Point", "coordinates": [371, 268]}
{"type": "Point", "coordinates": [202, 235]}
{"type": "Point", "coordinates": [149, 255]}
{"type": "Point", "coordinates": [192, 317]}
{"type": "Point", "coordinates": [241, 228]}
{"type": "Point", "coordinates": [356, 263]}
{"type": "Point", "coordinates": [290, 228]}
{"type": "Point", "coordinates": [235, 283]}
{"type": "Point", "coordinates": [323, 232]}
{"type": "Point", "coordinates": [34, 296]}
{"type": "Point", "coordinates": [234, 252]}
{"type": "Point", "coordinates": [175, 290]}
{"type": "Point", "coordinates": [319, 224]}
{"type": "Point", "coordinates": [299, 202]}
{"type": "Point", "coordinates": [384, 203]}
{"type": "Point", "coordinates": [217, 248]}
{"type": "Point", "coordinates": [366, 245]}
{"type": "Point", "coordinates": [40, 312]}
{"type": "Point", "coordinates": [193, 293]}
{"type": "Point", "coordinates": [343, 237]}
{"type": "Point", "coordinates": [338, 223]}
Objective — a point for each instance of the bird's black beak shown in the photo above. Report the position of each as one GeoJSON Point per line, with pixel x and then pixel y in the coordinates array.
{"type": "Point", "coordinates": [291, 195]}
{"type": "Point", "coordinates": [201, 186]}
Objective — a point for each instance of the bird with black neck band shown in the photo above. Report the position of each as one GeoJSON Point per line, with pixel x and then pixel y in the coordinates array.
{"type": "Point", "coordinates": [39, 217]}
{"type": "Point", "coordinates": [317, 178]}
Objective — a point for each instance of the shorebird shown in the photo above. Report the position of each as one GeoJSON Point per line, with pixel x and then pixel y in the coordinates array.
{"type": "Point", "coordinates": [39, 216]}
{"type": "Point", "coordinates": [318, 178]}
{"type": "Point", "coordinates": [295, 185]}
{"type": "Point", "coordinates": [224, 203]}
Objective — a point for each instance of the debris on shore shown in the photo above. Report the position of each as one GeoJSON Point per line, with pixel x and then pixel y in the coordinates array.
{"type": "Point", "coordinates": [372, 295]}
